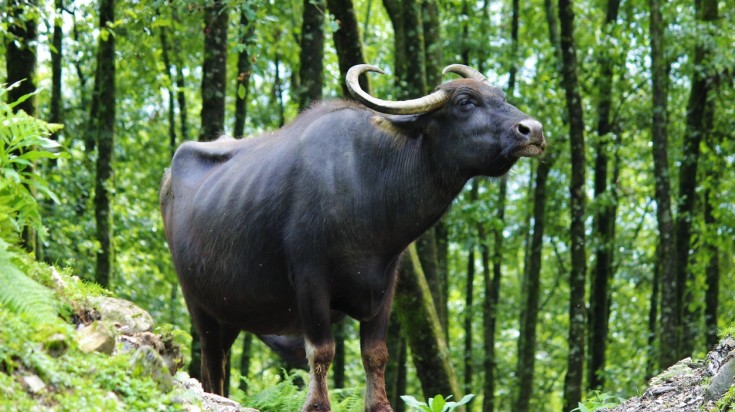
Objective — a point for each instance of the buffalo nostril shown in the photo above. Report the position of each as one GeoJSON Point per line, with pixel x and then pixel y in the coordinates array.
{"type": "Point", "coordinates": [530, 129]}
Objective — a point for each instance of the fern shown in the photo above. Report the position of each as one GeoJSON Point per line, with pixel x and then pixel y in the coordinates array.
{"type": "Point", "coordinates": [21, 294]}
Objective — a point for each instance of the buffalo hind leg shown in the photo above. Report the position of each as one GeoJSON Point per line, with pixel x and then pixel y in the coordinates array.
{"type": "Point", "coordinates": [216, 340]}
{"type": "Point", "coordinates": [374, 352]}
{"type": "Point", "coordinates": [313, 302]}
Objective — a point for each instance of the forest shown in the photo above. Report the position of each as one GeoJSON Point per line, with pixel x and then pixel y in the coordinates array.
{"type": "Point", "coordinates": [584, 272]}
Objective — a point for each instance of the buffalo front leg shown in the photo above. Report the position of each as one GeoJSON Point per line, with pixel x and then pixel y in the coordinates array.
{"type": "Point", "coordinates": [313, 303]}
{"type": "Point", "coordinates": [374, 353]}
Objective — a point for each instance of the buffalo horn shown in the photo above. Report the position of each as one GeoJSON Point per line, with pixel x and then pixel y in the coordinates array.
{"type": "Point", "coordinates": [464, 71]}
{"type": "Point", "coordinates": [424, 104]}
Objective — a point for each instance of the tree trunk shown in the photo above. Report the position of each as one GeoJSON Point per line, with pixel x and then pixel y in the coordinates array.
{"type": "Point", "coordinates": [531, 286]}
{"type": "Point", "coordinates": [711, 238]}
{"type": "Point", "coordinates": [20, 52]}
{"type": "Point", "coordinates": [214, 70]}
{"type": "Point", "coordinates": [56, 60]}
{"type": "Point", "coordinates": [180, 88]}
{"type": "Point", "coordinates": [311, 72]}
{"type": "Point", "coordinates": [665, 264]}
{"type": "Point", "coordinates": [468, 315]}
{"type": "Point", "coordinates": [699, 102]}
{"type": "Point", "coordinates": [244, 67]}
{"type": "Point", "coordinates": [169, 88]}
{"type": "Point", "coordinates": [604, 220]}
{"type": "Point", "coordinates": [247, 344]}
{"type": "Point", "coordinates": [420, 323]}
{"type": "Point", "coordinates": [347, 42]}
{"type": "Point", "coordinates": [575, 360]}
{"type": "Point", "coordinates": [105, 84]}
{"type": "Point", "coordinates": [431, 26]}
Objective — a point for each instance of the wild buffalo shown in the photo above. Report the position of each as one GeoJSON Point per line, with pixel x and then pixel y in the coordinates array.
{"type": "Point", "coordinates": [285, 233]}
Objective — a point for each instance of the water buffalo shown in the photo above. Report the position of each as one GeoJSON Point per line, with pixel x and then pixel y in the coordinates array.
{"type": "Point", "coordinates": [285, 233]}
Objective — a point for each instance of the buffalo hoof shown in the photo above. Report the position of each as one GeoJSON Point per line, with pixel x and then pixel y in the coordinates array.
{"type": "Point", "coordinates": [316, 407]}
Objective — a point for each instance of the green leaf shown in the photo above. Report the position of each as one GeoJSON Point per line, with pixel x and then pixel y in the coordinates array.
{"type": "Point", "coordinates": [436, 404]}
{"type": "Point", "coordinates": [241, 91]}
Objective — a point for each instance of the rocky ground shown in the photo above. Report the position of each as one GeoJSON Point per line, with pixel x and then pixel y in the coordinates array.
{"type": "Point", "coordinates": [113, 326]}
{"type": "Point", "coordinates": [690, 385]}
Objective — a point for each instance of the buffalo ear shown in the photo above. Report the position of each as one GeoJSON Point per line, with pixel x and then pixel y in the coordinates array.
{"type": "Point", "coordinates": [410, 125]}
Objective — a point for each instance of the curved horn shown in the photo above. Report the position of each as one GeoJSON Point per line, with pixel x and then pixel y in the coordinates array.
{"type": "Point", "coordinates": [416, 106]}
{"type": "Point", "coordinates": [464, 71]}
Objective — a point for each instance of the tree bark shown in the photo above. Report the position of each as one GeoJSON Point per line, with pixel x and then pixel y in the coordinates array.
{"type": "Point", "coordinates": [711, 238]}
{"type": "Point", "coordinates": [604, 220]}
{"type": "Point", "coordinates": [247, 344]}
{"type": "Point", "coordinates": [169, 87]}
{"type": "Point", "coordinates": [531, 286]}
{"type": "Point", "coordinates": [347, 42]}
{"type": "Point", "coordinates": [105, 84]}
{"type": "Point", "coordinates": [20, 52]}
{"type": "Point", "coordinates": [669, 331]}
{"type": "Point", "coordinates": [180, 87]}
{"type": "Point", "coordinates": [699, 102]}
{"type": "Point", "coordinates": [244, 67]}
{"type": "Point", "coordinates": [575, 360]}
{"type": "Point", "coordinates": [420, 322]}
{"type": "Point", "coordinates": [56, 68]}
{"type": "Point", "coordinates": [214, 70]}
{"type": "Point", "coordinates": [311, 71]}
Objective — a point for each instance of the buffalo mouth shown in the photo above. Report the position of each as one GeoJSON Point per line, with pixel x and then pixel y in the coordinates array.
{"type": "Point", "coordinates": [531, 149]}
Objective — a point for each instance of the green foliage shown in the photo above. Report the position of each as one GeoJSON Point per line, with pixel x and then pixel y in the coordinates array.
{"type": "Point", "coordinates": [727, 402]}
{"type": "Point", "coordinates": [436, 404]}
{"type": "Point", "coordinates": [283, 396]}
{"type": "Point", "coordinates": [598, 401]}
{"type": "Point", "coordinates": [23, 141]}
{"type": "Point", "coordinates": [21, 294]}
{"type": "Point", "coordinates": [289, 394]}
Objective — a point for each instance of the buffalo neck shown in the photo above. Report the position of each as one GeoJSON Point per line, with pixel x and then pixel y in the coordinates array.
{"type": "Point", "coordinates": [414, 186]}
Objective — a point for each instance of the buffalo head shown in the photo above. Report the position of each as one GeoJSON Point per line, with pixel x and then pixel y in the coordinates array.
{"type": "Point", "coordinates": [468, 121]}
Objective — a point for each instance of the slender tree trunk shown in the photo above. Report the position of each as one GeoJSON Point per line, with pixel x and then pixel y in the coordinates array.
{"type": "Point", "coordinates": [247, 344]}
{"type": "Point", "coordinates": [244, 67]}
{"type": "Point", "coordinates": [604, 220]}
{"type": "Point", "coordinates": [699, 102]}
{"type": "Point", "coordinates": [105, 84]}
{"type": "Point", "coordinates": [442, 265]}
{"type": "Point", "coordinates": [531, 286]}
{"type": "Point", "coordinates": [468, 315]}
{"type": "Point", "coordinates": [347, 42]}
{"type": "Point", "coordinates": [669, 331]}
{"type": "Point", "coordinates": [278, 89]}
{"type": "Point", "coordinates": [56, 59]}
{"type": "Point", "coordinates": [652, 353]}
{"type": "Point", "coordinates": [20, 49]}
{"type": "Point", "coordinates": [711, 236]}
{"type": "Point", "coordinates": [214, 70]}
{"type": "Point", "coordinates": [180, 87]}
{"type": "Point", "coordinates": [469, 303]}
{"type": "Point", "coordinates": [575, 361]}
{"type": "Point", "coordinates": [311, 72]}
{"type": "Point", "coordinates": [532, 271]}
{"type": "Point", "coordinates": [169, 88]}
{"type": "Point", "coordinates": [431, 26]}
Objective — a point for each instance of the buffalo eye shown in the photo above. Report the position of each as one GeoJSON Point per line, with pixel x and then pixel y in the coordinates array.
{"type": "Point", "coordinates": [466, 102]}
